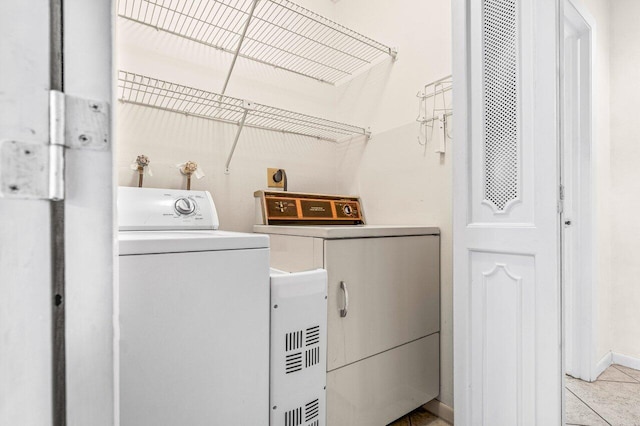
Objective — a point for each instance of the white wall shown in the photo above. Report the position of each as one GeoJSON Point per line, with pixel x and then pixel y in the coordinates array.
{"type": "Point", "coordinates": [398, 182]}
{"type": "Point", "coordinates": [617, 151]}
{"type": "Point", "coordinates": [625, 184]}
{"type": "Point", "coordinates": [169, 138]}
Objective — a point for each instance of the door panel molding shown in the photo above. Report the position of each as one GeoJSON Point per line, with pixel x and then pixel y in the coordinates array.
{"type": "Point", "coordinates": [508, 362]}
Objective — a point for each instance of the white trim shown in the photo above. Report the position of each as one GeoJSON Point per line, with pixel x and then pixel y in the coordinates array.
{"type": "Point", "coordinates": [584, 353]}
{"type": "Point", "coordinates": [614, 358]}
{"type": "Point", "coordinates": [89, 208]}
{"type": "Point", "coordinates": [602, 365]}
{"type": "Point", "coordinates": [584, 12]}
{"type": "Point", "coordinates": [460, 24]}
{"type": "Point", "coordinates": [439, 409]}
{"type": "Point", "coordinates": [625, 360]}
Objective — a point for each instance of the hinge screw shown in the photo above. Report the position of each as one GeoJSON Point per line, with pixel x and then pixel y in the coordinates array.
{"type": "Point", "coordinates": [95, 107]}
{"type": "Point", "coordinates": [84, 139]}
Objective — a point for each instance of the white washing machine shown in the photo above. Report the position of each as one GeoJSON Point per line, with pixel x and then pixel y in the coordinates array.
{"type": "Point", "coordinates": [193, 314]}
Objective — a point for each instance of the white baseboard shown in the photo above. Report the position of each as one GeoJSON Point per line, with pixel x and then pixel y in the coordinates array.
{"type": "Point", "coordinates": [439, 409]}
{"type": "Point", "coordinates": [625, 360]}
{"type": "Point", "coordinates": [602, 365]}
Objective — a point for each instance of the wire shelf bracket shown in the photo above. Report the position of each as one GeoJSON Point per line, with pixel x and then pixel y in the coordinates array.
{"type": "Point", "coordinates": [237, 52]}
{"type": "Point", "coordinates": [247, 105]}
{"type": "Point", "coordinates": [278, 33]}
{"type": "Point", "coordinates": [164, 95]}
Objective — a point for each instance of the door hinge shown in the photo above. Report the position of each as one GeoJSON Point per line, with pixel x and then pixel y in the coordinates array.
{"type": "Point", "coordinates": [561, 199]}
{"type": "Point", "coordinates": [31, 170]}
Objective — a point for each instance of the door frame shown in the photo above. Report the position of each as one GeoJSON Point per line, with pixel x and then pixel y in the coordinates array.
{"type": "Point", "coordinates": [90, 223]}
{"type": "Point", "coordinates": [581, 307]}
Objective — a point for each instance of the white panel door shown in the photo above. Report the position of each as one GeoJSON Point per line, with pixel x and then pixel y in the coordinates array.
{"type": "Point", "coordinates": [25, 239]}
{"type": "Point", "coordinates": [56, 277]}
{"type": "Point", "coordinates": [507, 351]}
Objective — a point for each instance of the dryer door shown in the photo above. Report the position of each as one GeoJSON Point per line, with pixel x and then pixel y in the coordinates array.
{"type": "Point", "coordinates": [393, 291]}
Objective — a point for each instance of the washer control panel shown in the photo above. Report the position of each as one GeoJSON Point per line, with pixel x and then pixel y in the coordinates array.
{"type": "Point", "coordinates": [148, 209]}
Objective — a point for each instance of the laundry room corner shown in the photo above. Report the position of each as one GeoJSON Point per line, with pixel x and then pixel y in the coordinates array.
{"type": "Point", "coordinates": [399, 166]}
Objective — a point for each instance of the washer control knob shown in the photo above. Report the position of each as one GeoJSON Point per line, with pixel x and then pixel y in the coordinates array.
{"type": "Point", "coordinates": [185, 206]}
{"type": "Point", "coordinates": [347, 209]}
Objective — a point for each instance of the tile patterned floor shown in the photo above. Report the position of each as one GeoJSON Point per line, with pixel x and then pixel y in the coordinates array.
{"type": "Point", "coordinates": [613, 399]}
{"type": "Point", "coordinates": [419, 417]}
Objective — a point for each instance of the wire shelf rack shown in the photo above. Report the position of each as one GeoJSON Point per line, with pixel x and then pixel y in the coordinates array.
{"type": "Point", "coordinates": [152, 92]}
{"type": "Point", "coordinates": [273, 32]}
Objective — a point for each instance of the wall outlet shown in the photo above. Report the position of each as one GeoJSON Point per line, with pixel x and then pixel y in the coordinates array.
{"type": "Point", "coordinates": [271, 174]}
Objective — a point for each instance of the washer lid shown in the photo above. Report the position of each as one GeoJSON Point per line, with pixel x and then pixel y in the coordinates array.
{"type": "Point", "coordinates": [153, 242]}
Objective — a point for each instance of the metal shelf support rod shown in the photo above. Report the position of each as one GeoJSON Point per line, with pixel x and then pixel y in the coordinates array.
{"type": "Point", "coordinates": [432, 119]}
{"type": "Point", "coordinates": [237, 52]}
{"type": "Point", "coordinates": [235, 142]}
{"type": "Point", "coordinates": [440, 80]}
{"type": "Point", "coordinates": [424, 95]}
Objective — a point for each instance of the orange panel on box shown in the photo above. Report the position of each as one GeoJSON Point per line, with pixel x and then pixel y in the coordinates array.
{"type": "Point", "coordinates": [309, 209]}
